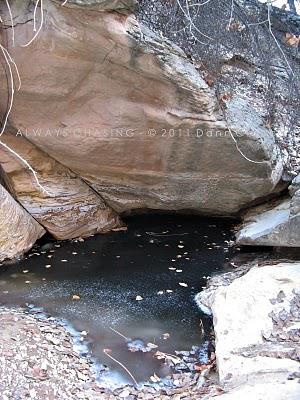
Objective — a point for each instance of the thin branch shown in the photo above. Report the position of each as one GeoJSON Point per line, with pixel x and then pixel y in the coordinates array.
{"type": "Point", "coordinates": [34, 15]}
{"type": "Point", "coordinates": [11, 89]}
{"type": "Point", "coordinates": [191, 22]}
{"type": "Point", "coordinates": [105, 351]}
{"type": "Point", "coordinates": [231, 13]}
{"type": "Point", "coordinates": [269, 6]}
{"type": "Point", "coordinates": [120, 334]}
{"type": "Point", "coordinates": [16, 67]}
{"type": "Point", "coordinates": [12, 22]}
{"type": "Point", "coordinates": [40, 27]}
{"type": "Point", "coordinates": [199, 4]}
{"type": "Point", "coordinates": [240, 151]}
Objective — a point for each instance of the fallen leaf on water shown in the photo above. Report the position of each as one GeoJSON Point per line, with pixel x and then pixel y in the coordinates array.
{"type": "Point", "coordinates": [48, 266]}
{"type": "Point", "coordinates": [163, 356]}
{"type": "Point", "coordinates": [200, 368]}
{"type": "Point", "coordinates": [152, 345]}
{"type": "Point", "coordinates": [25, 271]}
{"type": "Point", "coordinates": [166, 336]}
{"type": "Point", "coordinates": [183, 284]}
{"type": "Point", "coordinates": [172, 268]}
{"type": "Point", "coordinates": [139, 298]}
{"type": "Point", "coordinates": [122, 228]}
{"type": "Point", "coordinates": [75, 297]}
{"type": "Point", "coordinates": [160, 292]}
{"type": "Point", "coordinates": [154, 378]}
{"type": "Point", "coordinates": [124, 394]}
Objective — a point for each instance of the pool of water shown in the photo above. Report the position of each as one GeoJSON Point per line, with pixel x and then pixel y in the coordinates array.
{"type": "Point", "coordinates": [140, 283]}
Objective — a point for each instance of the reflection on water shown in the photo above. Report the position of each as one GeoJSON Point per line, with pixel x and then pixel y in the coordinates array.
{"type": "Point", "coordinates": [141, 283]}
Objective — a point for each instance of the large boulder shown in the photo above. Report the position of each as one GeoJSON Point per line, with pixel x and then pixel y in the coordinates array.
{"type": "Point", "coordinates": [256, 321]}
{"type": "Point", "coordinates": [274, 226]}
{"type": "Point", "coordinates": [104, 5]}
{"type": "Point", "coordinates": [128, 112]}
{"type": "Point", "coordinates": [18, 230]}
{"type": "Point", "coordinates": [68, 207]}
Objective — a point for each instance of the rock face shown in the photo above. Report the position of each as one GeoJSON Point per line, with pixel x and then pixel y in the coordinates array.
{"type": "Point", "coordinates": [256, 321]}
{"type": "Point", "coordinates": [68, 208]}
{"type": "Point", "coordinates": [18, 230]}
{"type": "Point", "coordinates": [277, 226]}
{"type": "Point", "coordinates": [126, 110]}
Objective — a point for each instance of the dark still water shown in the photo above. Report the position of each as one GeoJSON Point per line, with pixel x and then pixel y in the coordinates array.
{"type": "Point", "coordinates": [141, 283]}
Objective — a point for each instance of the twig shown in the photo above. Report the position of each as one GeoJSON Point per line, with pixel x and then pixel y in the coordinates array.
{"type": "Point", "coordinates": [105, 351]}
{"type": "Point", "coordinates": [191, 22]}
{"type": "Point", "coordinates": [34, 173]}
{"type": "Point", "coordinates": [240, 151]}
{"type": "Point", "coordinates": [274, 37]}
{"type": "Point", "coordinates": [16, 67]}
{"type": "Point", "coordinates": [231, 13]}
{"type": "Point", "coordinates": [12, 88]}
{"type": "Point", "coordinates": [34, 15]}
{"type": "Point", "coordinates": [41, 24]}
{"type": "Point", "coordinates": [120, 334]}
{"type": "Point", "coordinates": [12, 22]}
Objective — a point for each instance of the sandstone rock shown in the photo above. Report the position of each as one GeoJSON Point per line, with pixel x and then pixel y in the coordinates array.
{"type": "Point", "coordinates": [277, 226]}
{"type": "Point", "coordinates": [254, 317]}
{"type": "Point", "coordinates": [127, 111]}
{"type": "Point", "coordinates": [69, 208]}
{"type": "Point", "coordinates": [104, 5]}
{"type": "Point", "coordinates": [295, 185]}
{"type": "Point", "coordinates": [264, 391]}
{"type": "Point", "coordinates": [18, 230]}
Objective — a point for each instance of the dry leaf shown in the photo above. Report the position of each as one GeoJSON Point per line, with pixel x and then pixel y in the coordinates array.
{"type": "Point", "coordinates": [152, 346]}
{"type": "Point", "coordinates": [154, 378]}
{"type": "Point", "coordinates": [292, 40]}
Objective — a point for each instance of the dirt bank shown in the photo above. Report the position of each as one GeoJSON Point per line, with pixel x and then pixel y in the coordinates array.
{"type": "Point", "coordinates": [38, 361]}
